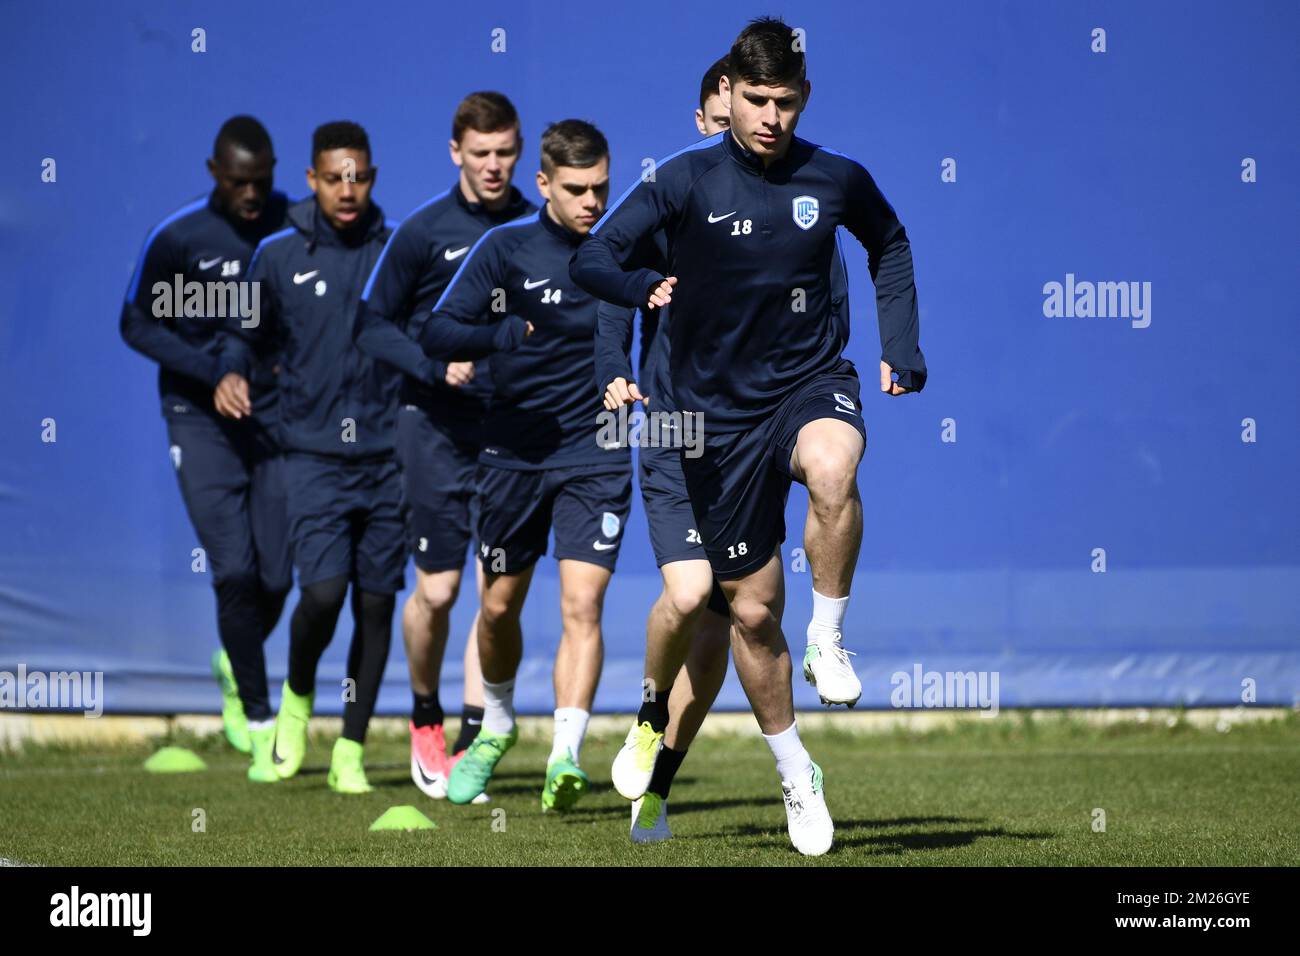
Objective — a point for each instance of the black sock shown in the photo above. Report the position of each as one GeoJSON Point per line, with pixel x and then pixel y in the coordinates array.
{"type": "Point", "coordinates": [655, 711]}
{"type": "Point", "coordinates": [310, 630]}
{"type": "Point", "coordinates": [426, 711]}
{"type": "Point", "coordinates": [471, 720]}
{"type": "Point", "coordinates": [666, 764]}
{"type": "Point", "coordinates": [367, 658]}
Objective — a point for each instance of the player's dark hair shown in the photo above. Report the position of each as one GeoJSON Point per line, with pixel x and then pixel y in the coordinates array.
{"type": "Point", "coordinates": [243, 132]}
{"type": "Point", "coordinates": [484, 112]}
{"type": "Point", "coordinates": [572, 142]}
{"type": "Point", "coordinates": [765, 54]}
{"type": "Point", "coordinates": [709, 85]}
{"type": "Point", "coordinates": [340, 134]}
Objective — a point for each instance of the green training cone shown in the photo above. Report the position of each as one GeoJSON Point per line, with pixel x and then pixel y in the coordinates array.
{"type": "Point", "coordinates": [175, 760]}
{"type": "Point", "coordinates": [403, 818]}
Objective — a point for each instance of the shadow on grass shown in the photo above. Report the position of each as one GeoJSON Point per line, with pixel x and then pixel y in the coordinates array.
{"type": "Point", "coordinates": [624, 807]}
{"type": "Point", "coordinates": [862, 834]}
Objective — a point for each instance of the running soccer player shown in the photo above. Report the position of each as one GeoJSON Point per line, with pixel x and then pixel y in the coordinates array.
{"type": "Point", "coordinates": [229, 469]}
{"type": "Point", "coordinates": [688, 626]}
{"type": "Point", "coordinates": [750, 217]}
{"type": "Point", "coordinates": [541, 466]}
{"type": "Point", "coordinates": [442, 408]}
{"type": "Point", "coordinates": [338, 411]}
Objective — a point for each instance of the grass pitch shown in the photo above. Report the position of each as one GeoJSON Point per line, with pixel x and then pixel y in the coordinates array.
{"type": "Point", "coordinates": [1010, 791]}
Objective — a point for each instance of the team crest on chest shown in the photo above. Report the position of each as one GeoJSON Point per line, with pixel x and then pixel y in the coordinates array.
{"type": "Point", "coordinates": [805, 210]}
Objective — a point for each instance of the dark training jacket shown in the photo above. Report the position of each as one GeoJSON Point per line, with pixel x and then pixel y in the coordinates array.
{"type": "Point", "coordinates": [201, 244]}
{"type": "Point", "coordinates": [334, 400]}
{"type": "Point", "coordinates": [752, 249]}
{"type": "Point", "coordinates": [415, 268]}
{"type": "Point", "coordinates": [544, 411]}
{"type": "Point", "coordinates": [614, 333]}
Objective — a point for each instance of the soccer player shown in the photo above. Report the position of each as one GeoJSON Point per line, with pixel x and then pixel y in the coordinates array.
{"type": "Point", "coordinates": [229, 469]}
{"type": "Point", "coordinates": [755, 349]}
{"type": "Point", "coordinates": [688, 626]}
{"type": "Point", "coordinates": [439, 423]}
{"type": "Point", "coordinates": [338, 411]}
{"type": "Point", "coordinates": [542, 466]}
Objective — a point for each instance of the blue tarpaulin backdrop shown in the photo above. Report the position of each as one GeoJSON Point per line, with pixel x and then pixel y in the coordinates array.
{"type": "Point", "coordinates": [1071, 434]}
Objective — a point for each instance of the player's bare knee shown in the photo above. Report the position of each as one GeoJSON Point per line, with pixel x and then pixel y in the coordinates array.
{"type": "Point", "coordinates": [436, 594]}
{"type": "Point", "coordinates": [688, 599]}
{"type": "Point", "coordinates": [750, 617]}
{"type": "Point", "coordinates": [831, 474]}
{"type": "Point", "coordinates": [580, 608]}
{"type": "Point", "coordinates": [495, 607]}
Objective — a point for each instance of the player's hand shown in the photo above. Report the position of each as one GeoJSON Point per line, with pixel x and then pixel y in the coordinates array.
{"type": "Point", "coordinates": [621, 392]}
{"type": "Point", "coordinates": [661, 294]}
{"type": "Point", "coordinates": [887, 385]}
{"type": "Point", "coordinates": [459, 373]}
{"type": "Point", "coordinates": [231, 396]}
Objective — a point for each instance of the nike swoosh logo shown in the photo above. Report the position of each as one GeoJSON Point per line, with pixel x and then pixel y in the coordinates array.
{"type": "Point", "coordinates": [534, 285]}
{"type": "Point", "coordinates": [839, 408]}
{"type": "Point", "coordinates": [451, 254]}
{"type": "Point", "coordinates": [419, 767]}
{"type": "Point", "coordinates": [603, 547]}
{"type": "Point", "coordinates": [300, 277]}
{"type": "Point", "coordinates": [209, 263]}
{"type": "Point", "coordinates": [725, 215]}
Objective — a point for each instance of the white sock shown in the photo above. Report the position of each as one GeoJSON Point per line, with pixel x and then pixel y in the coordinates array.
{"type": "Point", "coordinates": [828, 616]}
{"type": "Point", "coordinates": [570, 728]}
{"type": "Point", "coordinates": [261, 724]}
{"type": "Point", "coordinates": [499, 706]}
{"type": "Point", "coordinates": [792, 761]}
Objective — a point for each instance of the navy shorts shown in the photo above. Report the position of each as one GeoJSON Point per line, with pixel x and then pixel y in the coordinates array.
{"type": "Point", "coordinates": [739, 486]}
{"type": "Point", "coordinates": [439, 465]}
{"type": "Point", "coordinates": [231, 475]}
{"type": "Point", "coordinates": [674, 535]}
{"type": "Point", "coordinates": [586, 507]}
{"type": "Point", "coordinates": [345, 520]}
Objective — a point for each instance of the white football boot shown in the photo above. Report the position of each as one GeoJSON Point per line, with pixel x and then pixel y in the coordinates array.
{"type": "Point", "coordinates": [635, 763]}
{"type": "Point", "coordinates": [826, 666]}
{"type": "Point", "coordinates": [806, 816]}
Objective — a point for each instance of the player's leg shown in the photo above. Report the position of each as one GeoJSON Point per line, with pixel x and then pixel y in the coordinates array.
{"type": "Point", "coordinates": [686, 587]}
{"type": "Point", "coordinates": [379, 557]}
{"type": "Point", "coordinates": [763, 666]}
{"type": "Point", "coordinates": [687, 583]}
{"type": "Point", "coordinates": [268, 511]}
{"type": "Point", "coordinates": [214, 480]}
{"type": "Point", "coordinates": [513, 520]}
{"type": "Point", "coordinates": [320, 535]}
{"type": "Point", "coordinates": [576, 674]}
{"type": "Point", "coordinates": [828, 447]}
{"type": "Point", "coordinates": [426, 622]}
{"type": "Point", "coordinates": [437, 482]}
{"type": "Point", "coordinates": [471, 714]}
{"type": "Point", "coordinates": [588, 517]}
{"type": "Point", "coordinates": [694, 690]}
{"type": "Point", "coordinates": [739, 497]}
{"type": "Point", "coordinates": [500, 649]}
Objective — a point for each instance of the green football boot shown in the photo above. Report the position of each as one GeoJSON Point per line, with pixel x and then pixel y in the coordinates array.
{"type": "Point", "coordinates": [347, 772]}
{"type": "Point", "coordinates": [291, 732]}
{"type": "Point", "coordinates": [262, 769]}
{"type": "Point", "coordinates": [472, 772]}
{"type": "Point", "coordinates": [566, 782]}
{"type": "Point", "coordinates": [233, 721]}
